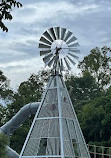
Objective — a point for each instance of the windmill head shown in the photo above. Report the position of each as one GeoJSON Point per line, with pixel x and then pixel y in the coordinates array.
{"type": "Point", "coordinates": [58, 46]}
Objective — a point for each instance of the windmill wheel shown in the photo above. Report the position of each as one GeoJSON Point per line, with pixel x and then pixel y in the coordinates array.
{"type": "Point", "coordinates": [59, 48]}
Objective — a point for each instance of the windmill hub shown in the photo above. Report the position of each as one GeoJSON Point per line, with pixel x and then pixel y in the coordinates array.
{"type": "Point", "coordinates": [57, 50]}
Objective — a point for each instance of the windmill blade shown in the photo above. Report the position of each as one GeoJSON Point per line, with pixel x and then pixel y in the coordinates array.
{"type": "Point", "coordinates": [71, 40]}
{"type": "Point", "coordinates": [57, 32]}
{"type": "Point", "coordinates": [74, 45]}
{"type": "Point", "coordinates": [61, 65]}
{"type": "Point", "coordinates": [51, 61]}
{"type": "Point", "coordinates": [74, 56]}
{"type": "Point", "coordinates": [67, 64]}
{"type": "Point", "coordinates": [47, 58]}
{"type": "Point", "coordinates": [47, 35]}
{"type": "Point", "coordinates": [51, 31]}
{"type": "Point", "coordinates": [44, 52]}
{"type": "Point", "coordinates": [44, 46]}
{"type": "Point", "coordinates": [71, 60]}
{"type": "Point", "coordinates": [68, 34]}
{"type": "Point", "coordinates": [74, 50]}
{"type": "Point", "coordinates": [44, 40]}
{"type": "Point", "coordinates": [63, 30]}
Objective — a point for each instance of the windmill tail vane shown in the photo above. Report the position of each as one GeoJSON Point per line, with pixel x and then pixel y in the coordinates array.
{"type": "Point", "coordinates": [55, 131]}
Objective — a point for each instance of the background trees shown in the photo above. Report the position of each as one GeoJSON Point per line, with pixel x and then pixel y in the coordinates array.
{"type": "Point", "coordinates": [95, 118]}
{"type": "Point", "coordinates": [83, 88]}
{"type": "Point", "coordinates": [6, 96]}
{"type": "Point", "coordinates": [95, 115]}
{"type": "Point", "coordinates": [28, 91]}
{"type": "Point", "coordinates": [98, 64]}
{"type": "Point", "coordinates": [3, 143]}
{"type": "Point", "coordinates": [4, 84]}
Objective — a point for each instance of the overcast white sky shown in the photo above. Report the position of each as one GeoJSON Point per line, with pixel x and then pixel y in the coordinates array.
{"type": "Point", "coordinates": [89, 20]}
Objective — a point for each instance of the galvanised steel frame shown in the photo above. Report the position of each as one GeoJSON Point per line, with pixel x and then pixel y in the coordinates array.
{"type": "Point", "coordinates": [50, 80]}
{"type": "Point", "coordinates": [58, 78]}
{"type": "Point", "coordinates": [60, 121]}
{"type": "Point", "coordinates": [77, 121]}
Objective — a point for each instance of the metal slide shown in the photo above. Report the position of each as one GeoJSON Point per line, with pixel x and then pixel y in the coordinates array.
{"type": "Point", "coordinates": [16, 121]}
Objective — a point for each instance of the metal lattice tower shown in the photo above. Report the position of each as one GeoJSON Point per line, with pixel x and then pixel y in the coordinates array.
{"type": "Point", "coordinates": [55, 131]}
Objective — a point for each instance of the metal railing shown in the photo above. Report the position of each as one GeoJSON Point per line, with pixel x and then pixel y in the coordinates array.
{"type": "Point", "coordinates": [99, 151]}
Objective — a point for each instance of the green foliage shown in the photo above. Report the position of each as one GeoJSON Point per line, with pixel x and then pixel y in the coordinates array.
{"type": "Point", "coordinates": [5, 91]}
{"type": "Point", "coordinates": [5, 94]}
{"type": "Point", "coordinates": [5, 9]}
{"type": "Point", "coordinates": [98, 64]}
{"type": "Point", "coordinates": [3, 143]}
{"type": "Point", "coordinates": [95, 120]}
{"type": "Point", "coordinates": [93, 107]}
{"type": "Point", "coordinates": [2, 115]}
{"type": "Point", "coordinates": [83, 88]}
{"type": "Point", "coordinates": [28, 91]}
{"type": "Point", "coordinates": [4, 83]}
{"type": "Point", "coordinates": [18, 138]}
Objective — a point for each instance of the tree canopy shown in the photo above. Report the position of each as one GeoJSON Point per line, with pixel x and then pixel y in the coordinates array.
{"type": "Point", "coordinates": [5, 90]}
{"type": "Point", "coordinates": [98, 64]}
{"type": "Point", "coordinates": [4, 83]}
{"type": "Point", "coordinates": [3, 143]}
{"type": "Point", "coordinates": [83, 88]}
{"type": "Point", "coordinates": [5, 11]}
{"type": "Point", "coordinates": [95, 120]}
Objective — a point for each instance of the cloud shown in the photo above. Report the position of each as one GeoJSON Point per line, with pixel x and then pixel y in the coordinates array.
{"type": "Point", "coordinates": [89, 20]}
{"type": "Point", "coordinates": [43, 11]}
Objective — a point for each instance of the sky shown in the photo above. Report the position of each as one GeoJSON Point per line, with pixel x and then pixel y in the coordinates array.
{"type": "Point", "coordinates": [89, 20]}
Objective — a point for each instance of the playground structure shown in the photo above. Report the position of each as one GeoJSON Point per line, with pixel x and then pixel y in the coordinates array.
{"type": "Point", "coordinates": [30, 109]}
{"type": "Point", "coordinates": [16, 121]}
{"type": "Point", "coordinates": [55, 131]}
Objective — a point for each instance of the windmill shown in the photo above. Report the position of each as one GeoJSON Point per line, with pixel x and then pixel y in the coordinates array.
{"type": "Point", "coordinates": [55, 131]}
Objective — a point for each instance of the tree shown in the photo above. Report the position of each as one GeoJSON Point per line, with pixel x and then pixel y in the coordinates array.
{"type": "Point", "coordinates": [90, 119]}
{"type": "Point", "coordinates": [3, 143]}
{"type": "Point", "coordinates": [18, 138]}
{"type": "Point", "coordinates": [6, 95]}
{"type": "Point", "coordinates": [5, 91]}
{"type": "Point", "coordinates": [28, 91]}
{"type": "Point", "coordinates": [93, 107]}
{"type": "Point", "coordinates": [95, 120]}
{"type": "Point", "coordinates": [32, 89]}
{"type": "Point", "coordinates": [3, 112]}
{"type": "Point", "coordinates": [98, 64]}
{"type": "Point", "coordinates": [82, 89]}
{"type": "Point", "coordinates": [5, 9]}
{"type": "Point", "coordinates": [4, 83]}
